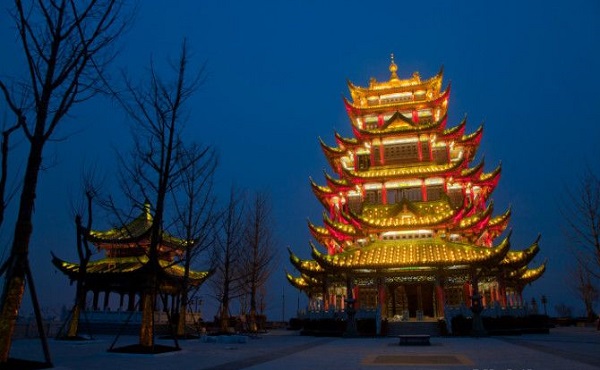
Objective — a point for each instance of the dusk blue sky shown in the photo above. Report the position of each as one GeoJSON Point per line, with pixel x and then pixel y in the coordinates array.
{"type": "Point", "coordinates": [276, 73]}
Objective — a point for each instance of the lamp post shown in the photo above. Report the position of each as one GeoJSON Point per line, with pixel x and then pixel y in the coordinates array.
{"type": "Point", "coordinates": [544, 301]}
{"type": "Point", "coordinates": [351, 329]}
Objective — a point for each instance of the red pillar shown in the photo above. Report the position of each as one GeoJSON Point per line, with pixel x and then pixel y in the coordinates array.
{"type": "Point", "coordinates": [467, 294]}
{"type": "Point", "coordinates": [415, 116]}
{"type": "Point", "coordinates": [381, 298]}
{"type": "Point", "coordinates": [431, 151]}
{"type": "Point", "coordinates": [440, 298]}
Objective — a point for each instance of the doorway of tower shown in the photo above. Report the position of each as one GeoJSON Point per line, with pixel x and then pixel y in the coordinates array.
{"type": "Point", "coordinates": [411, 301]}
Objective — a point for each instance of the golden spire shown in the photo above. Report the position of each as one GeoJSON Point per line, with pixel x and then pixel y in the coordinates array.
{"type": "Point", "coordinates": [393, 68]}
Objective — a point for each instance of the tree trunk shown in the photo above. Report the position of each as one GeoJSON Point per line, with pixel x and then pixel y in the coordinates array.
{"type": "Point", "coordinates": [181, 321]}
{"type": "Point", "coordinates": [14, 287]}
{"type": "Point", "coordinates": [253, 324]}
{"type": "Point", "coordinates": [73, 330]}
{"type": "Point", "coordinates": [74, 323]}
{"type": "Point", "coordinates": [13, 295]}
{"type": "Point", "coordinates": [224, 316]}
{"type": "Point", "coordinates": [147, 325]}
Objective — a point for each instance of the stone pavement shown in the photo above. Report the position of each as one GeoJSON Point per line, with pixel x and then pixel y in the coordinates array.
{"type": "Point", "coordinates": [563, 348]}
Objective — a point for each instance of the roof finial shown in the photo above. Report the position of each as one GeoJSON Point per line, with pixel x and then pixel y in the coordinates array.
{"type": "Point", "coordinates": [393, 68]}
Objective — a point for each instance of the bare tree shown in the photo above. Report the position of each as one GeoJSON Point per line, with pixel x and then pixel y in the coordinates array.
{"type": "Point", "coordinates": [259, 252]}
{"type": "Point", "coordinates": [195, 215]}
{"type": "Point", "coordinates": [583, 284]}
{"type": "Point", "coordinates": [228, 281]}
{"type": "Point", "coordinates": [156, 164]}
{"type": "Point", "coordinates": [84, 252]}
{"type": "Point", "coordinates": [66, 46]}
{"type": "Point", "coordinates": [581, 213]}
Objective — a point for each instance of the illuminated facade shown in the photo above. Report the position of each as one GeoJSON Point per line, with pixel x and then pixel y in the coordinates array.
{"type": "Point", "coordinates": [408, 225]}
{"type": "Point", "coordinates": [125, 270]}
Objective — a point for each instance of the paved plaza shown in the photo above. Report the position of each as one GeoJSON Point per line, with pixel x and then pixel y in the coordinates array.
{"type": "Point", "coordinates": [564, 348]}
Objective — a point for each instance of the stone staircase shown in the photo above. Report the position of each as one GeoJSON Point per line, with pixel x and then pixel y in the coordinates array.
{"type": "Point", "coordinates": [396, 328]}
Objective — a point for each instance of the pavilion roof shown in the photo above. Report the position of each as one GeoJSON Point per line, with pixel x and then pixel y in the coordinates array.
{"type": "Point", "coordinates": [430, 252]}
{"type": "Point", "coordinates": [136, 231]}
{"type": "Point", "coordinates": [106, 267]}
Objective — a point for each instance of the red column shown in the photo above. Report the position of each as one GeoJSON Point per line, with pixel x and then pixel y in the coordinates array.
{"type": "Point", "coordinates": [419, 148]}
{"type": "Point", "coordinates": [381, 156]}
{"type": "Point", "coordinates": [381, 299]}
{"type": "Point", "coordinates": [430, 151]}
{"type": "Point", "coordinates": [440, 298]}
{"type": "Point", "coordinates": [502, 295]}
{"type": "Point", "coordinates": [467, 294]}
{"type": "Point", "coordinates": [415, 116]}
{"type": "Point", "coordinates": [423, 190]}
{"type": "Point", "coordinates": [383, 194]}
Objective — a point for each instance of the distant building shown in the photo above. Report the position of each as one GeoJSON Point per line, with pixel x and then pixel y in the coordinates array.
{"type": "Point", "coordinates": [408, 226]}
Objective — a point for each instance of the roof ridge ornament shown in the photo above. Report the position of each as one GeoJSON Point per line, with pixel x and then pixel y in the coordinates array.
{"type": "Point", "coordinates": [393, 68]}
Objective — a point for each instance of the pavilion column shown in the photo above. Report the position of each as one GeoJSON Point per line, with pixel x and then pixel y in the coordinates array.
{"type": "Point", "coordinates": [106, 298]}
{"type": "Point", "coordinates": [174, 304]}
{"type": "Point", "coordinates": [381, 156]}
{"type": "Point", "coordinates": [419, 148]}
{"type": "Point", "coordinates": [467, 293]}
{"type": "Point", "coordinates": [419, 300]}
{"type": "Point", "coordinates": [440, 296]}
{"type": "Point", "coordinates": [483, 299]}
{"type": "Point", "coordinates": [332, 299]}
{"type": "Point", "coordinates": [95, 300]}
{"type": "Point", "coordinates": [383, 194]}
{"type": "Point", "coordinates": [381, 297]}
{"type": "Point", "coordinates": [520, 297]}
{"type": "Point", "coordinates": [393, 295]}
{"type": "Point", "coordinates": [423, 190]}
{"type": "Point", "coordinates": [131, 302]}
{"type": "Point", "coordinates": [356, 297]}
{"type": "Point", "coordinates": [325, 293]}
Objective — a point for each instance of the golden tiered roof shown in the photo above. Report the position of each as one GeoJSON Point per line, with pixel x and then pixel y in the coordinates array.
{"type": "Point", "coordinates": [429, 252]}
{"type": "Point", "coordinates": [136, 232]}
{"type": "Point", "coordinates": [372, 95]}
{"type": "Point", "coordinates": [127, 265]}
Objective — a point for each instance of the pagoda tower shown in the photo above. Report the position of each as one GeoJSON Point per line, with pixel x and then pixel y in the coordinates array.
{"type": "Point", "coordinates": [124, 269]}
{"type": "Point", "coordinates": [409, 226]}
